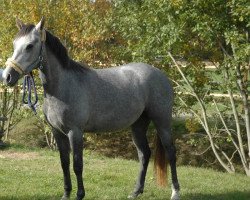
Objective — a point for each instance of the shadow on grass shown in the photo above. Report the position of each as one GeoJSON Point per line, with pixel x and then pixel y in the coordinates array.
{"type": "Point", "coordinates": [233, 195]}
{"type": "Point", "coordinates": [31, 197]}
{"type": "Point", "coordinates": [237, 195]}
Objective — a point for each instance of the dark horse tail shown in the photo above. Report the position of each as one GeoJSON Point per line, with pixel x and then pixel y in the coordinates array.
{"type": "Point", "coordinates": [160, 163]}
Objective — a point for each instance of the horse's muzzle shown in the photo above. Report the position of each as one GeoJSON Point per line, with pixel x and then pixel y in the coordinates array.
{"type": "Point", "coordinates": [11, 77]}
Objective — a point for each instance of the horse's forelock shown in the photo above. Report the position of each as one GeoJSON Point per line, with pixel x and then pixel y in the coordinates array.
{"type": "Point", "coordinates": [26, 29]}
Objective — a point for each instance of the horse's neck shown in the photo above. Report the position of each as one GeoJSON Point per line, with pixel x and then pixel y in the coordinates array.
{"type": "Point", "coordinates": [52, 75]}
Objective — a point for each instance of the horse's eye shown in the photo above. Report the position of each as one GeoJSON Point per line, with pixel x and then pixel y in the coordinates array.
{"type": "Point", "coordinates": [29, 46]}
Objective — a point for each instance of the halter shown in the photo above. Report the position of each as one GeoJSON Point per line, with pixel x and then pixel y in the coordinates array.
{"type": "Point", "coordinates": [19, 68]}
{"type": "Point", "coordinates": [28, 82]}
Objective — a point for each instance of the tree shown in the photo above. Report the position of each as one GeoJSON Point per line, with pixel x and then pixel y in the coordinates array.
{"type": "Point", "coordinates": [195, 31]}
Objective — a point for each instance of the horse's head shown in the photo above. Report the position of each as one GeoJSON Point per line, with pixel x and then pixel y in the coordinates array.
{"type": "Point", "coordinates": [27, 51]}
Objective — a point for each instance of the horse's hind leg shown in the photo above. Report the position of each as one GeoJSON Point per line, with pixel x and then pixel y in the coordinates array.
{"type": "Point", "coordinates": [163, 127]}
{"type": "Point", "coordinates": [139, 129]}
{"type": "Point", "coordinates": [64, 149]}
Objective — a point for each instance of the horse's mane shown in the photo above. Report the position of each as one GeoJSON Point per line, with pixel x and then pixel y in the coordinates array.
{"type": "Point", "coordinates": [57, 48]}
{"type": "Point", "coordinates": [61, 53]}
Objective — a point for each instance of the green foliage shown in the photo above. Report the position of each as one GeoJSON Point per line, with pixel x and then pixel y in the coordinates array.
{"type": "Point", "coordinates": [192, 125]}
{"type": "Point", "coordinates": [148, 28]}
{"type": "Point", "coordinates": [27, 132]}
{"type": "Point", "coordinates": [123, 31]}
{"type": "Point", "coordinates": [81, 25]}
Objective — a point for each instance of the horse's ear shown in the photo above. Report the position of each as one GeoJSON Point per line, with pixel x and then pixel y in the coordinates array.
{"type": "Point", "coordinates": [40, 25]}
{"type": "Point", "coordinates": [19, 23]}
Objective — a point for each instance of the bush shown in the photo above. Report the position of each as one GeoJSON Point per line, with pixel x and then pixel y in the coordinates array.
{"type": "Point", "coordinates": [27, 133]}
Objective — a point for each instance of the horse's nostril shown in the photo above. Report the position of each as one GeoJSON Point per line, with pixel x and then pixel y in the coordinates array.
{"type": "Point", "coordinates": [8, 79]}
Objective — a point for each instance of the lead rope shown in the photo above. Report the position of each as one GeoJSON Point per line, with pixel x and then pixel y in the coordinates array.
{"type": "Point", "coordinates": [29, 87]}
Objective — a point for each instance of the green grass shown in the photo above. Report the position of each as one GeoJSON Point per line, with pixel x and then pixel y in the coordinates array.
{"type": "Point", "coordinates": [36, 175]}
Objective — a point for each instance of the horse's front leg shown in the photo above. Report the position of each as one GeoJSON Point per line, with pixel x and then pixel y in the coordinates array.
{"type": "Point", "coordinates": [64, 149]}
{"type": "Point", "coordinates": [76, 142]}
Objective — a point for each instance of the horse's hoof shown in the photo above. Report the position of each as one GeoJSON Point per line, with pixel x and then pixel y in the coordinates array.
{"type": "Point", "coordinates": [65, 198]}
{"type": "Point", "coordinates": [134, 195]}
{"type": "Point", "coordinates": [79, 198]}
{"type": "Point", "coordinates": [175, 195]}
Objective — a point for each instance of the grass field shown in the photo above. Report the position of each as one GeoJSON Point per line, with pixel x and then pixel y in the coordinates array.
{"type": "Point", "coordinates": [36, 175]}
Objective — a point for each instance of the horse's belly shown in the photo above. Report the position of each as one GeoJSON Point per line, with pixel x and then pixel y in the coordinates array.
{"type": "Point", "coordinates": [115, 118]}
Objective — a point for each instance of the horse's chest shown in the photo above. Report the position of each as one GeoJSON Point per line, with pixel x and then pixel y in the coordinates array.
{"type": "Point", "coordinates": [55, 113]}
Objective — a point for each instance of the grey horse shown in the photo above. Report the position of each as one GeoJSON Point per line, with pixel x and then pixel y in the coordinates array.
{"type": "Point", "coordinates": [80, 99]}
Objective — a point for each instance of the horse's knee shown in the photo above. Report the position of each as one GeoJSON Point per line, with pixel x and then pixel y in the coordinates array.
{"type": "Point", "coordinates": [65, 164]}
{"type": "Point", "coordinates": [78, 169]}
{"type": "Point", "coordinates": [78, 165]}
